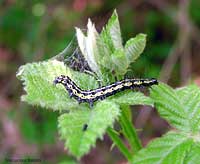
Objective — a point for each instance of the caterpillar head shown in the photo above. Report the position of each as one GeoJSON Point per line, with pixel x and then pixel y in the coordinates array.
{"type": "Point", "coordinates": [154, 81]}
{"type": "Point", "coordinates": [62, 79]}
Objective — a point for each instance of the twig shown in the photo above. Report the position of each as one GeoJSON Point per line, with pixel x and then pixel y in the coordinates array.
{"type": "Point", "coordinates": [169, 64]}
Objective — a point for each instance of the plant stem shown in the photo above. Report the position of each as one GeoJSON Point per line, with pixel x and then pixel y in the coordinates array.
{"type": "Point", "coordinates": [129, 130]}
{"type": "Point", "coordinates": [118, 142]}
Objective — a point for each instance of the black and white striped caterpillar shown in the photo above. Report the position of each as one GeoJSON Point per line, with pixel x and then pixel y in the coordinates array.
{"type": "Point", "coordinates": [90, 96]}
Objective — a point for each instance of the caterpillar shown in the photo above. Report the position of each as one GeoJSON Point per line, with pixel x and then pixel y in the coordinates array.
{"type": "Point", "coordinates": [90, 96]}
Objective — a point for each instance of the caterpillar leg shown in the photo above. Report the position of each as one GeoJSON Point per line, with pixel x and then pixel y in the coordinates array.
{"type": "Point", "coordinates": [99, 83]}
{"type": "Point", "coordinates": [102, 98]}
{"type": "Point", "coordinates": [85, 126]}
{"type": "Point", "coordinates": [91, 103]}
{"type": "Point", "coordinates": [70, 94]}
{"type": "Point", "coordinates": [79, 100]}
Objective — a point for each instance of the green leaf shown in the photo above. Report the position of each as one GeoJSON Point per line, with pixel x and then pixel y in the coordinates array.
{"type": "Point", "coordinates": [104, 54]}
{"type": "Point", "coordinates": [111, 35]}
{"type": "Point", "coordinates": [171, 148]}
{"type": "Point", "coordinates": [120, 63]}
{"type": "Point", "coordinates": [180, 107]}
{"type": "Point", "coordinates": [98, 120]}
{"type": "Point", "coordinates": [38, 84]}
{"type": "Point", "coordinates": [114, 56]}
{"type": "Point", "coordinates": [132, 98]}
{"type": "Point", "coordinates": [169, 105]}
{"type": "Point", "coordinates": [190, 98]}
{"type": "Point", "coordinates": [134, 47]}
{"type": "Point", "coordinates": [193, 156]}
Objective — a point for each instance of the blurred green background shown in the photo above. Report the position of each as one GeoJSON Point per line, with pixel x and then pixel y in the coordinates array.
{"type": "Point", "coordinates": [37, 30]}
